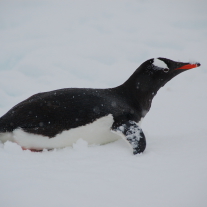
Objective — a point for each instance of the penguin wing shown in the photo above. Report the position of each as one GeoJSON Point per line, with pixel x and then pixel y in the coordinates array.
{"type": "Point", "coordinates": [132, 133]}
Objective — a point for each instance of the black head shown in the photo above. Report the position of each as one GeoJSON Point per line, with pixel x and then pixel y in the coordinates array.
{"type": "Point", "coordinates": [162, 70]}
{"type": "Point", "coordinates": [155, 73]}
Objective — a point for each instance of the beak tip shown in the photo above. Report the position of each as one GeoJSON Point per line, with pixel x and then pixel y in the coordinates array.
{"type": "Point", "coordinates": [198, 64]}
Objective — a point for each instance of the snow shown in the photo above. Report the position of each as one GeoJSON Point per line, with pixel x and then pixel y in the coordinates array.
{"type": "Point", "coordinates": [47, 45]}
{"type": "Point", "coordinates": [159, 63]}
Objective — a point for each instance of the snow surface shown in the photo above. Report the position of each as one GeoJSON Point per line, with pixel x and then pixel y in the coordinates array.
{"type": "Point", "coordinates": [46, 45]}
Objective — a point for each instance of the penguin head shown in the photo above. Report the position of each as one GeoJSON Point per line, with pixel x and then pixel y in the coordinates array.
{"type": "Point", "coordinates": [158, 71]}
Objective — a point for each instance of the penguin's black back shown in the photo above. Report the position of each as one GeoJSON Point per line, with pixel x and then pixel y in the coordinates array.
{"type": "Point", "coordinates": [50, 113]}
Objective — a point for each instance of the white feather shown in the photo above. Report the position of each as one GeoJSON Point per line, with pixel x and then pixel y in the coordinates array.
{"type": "Point", "coordinates": [159, 63]}
{"type": "Point", "coordinates": [96, 133]}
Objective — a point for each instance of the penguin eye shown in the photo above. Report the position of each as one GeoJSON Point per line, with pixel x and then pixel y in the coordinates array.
{"type": "Point", "coordinates": [166, 70]}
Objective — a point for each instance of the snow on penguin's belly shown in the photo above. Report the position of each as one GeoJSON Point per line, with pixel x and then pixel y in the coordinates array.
{"type": "Point", "coordinates": [98, 132]}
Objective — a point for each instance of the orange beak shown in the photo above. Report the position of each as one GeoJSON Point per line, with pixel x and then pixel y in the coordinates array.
{"type": "Point", "coordinates": [189, 66]}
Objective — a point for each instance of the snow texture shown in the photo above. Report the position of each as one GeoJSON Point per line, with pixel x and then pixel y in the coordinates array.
{"type": "Point", "coordinates": [48, 44]}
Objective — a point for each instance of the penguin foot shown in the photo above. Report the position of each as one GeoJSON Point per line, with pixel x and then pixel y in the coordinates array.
{"type": "Point", "coordinates": [32, 150]}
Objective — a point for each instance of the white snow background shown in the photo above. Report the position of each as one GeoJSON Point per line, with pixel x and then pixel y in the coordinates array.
{"type": "Point", "coordinates": [47, 45]}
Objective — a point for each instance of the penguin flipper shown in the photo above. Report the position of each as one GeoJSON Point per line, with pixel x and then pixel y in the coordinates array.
{"type": "Point", "coordinates": [133, 134]}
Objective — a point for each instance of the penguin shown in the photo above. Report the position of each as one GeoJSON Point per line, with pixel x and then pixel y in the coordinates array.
{"type": "Point", "coordinates": [58, 118]}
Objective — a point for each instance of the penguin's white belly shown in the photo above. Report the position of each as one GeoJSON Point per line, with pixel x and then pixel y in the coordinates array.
{"type": "Point", "coordinates": [98, 132]}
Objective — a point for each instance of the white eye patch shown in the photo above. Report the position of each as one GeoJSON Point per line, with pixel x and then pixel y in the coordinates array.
{"type": "Point", "coordinates": [159, 63]}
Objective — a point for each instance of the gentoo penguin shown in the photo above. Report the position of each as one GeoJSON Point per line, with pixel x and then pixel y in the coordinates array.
{"type": "Point", "coordinates": [58, 118]}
